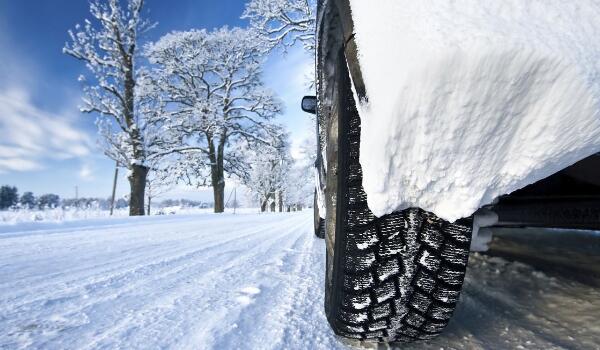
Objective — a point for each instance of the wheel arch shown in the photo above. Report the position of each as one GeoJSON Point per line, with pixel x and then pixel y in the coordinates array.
{"type": "Point", "coordinates": [335, 32]}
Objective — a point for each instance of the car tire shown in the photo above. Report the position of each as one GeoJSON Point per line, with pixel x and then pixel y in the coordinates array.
{"type": "Point", "coordinates": [393, 278]}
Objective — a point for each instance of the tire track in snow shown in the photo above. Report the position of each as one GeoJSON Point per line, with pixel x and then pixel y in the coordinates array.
{"type": "Point", "coordinates": [279, 281]}
{"type": "Point", "coordinates": [137, 265]}
{"type": "Point", "coordinates": [200, 288]}
{"type": "Point", "coordinates": [307, 326]}
{"type": "Point", "coordinates": [44, 313]}
{"type": "Point", "coordinates": [215, 331]}
{"type": "Point", "coordinates": [95, 239]}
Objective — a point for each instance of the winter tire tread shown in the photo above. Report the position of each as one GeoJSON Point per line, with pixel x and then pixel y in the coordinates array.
{"type": "Point", "coordinates": [397, 277]}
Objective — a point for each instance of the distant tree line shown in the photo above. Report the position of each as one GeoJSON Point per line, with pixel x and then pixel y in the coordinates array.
{"type": "Point", "coordinates": [10, 199]}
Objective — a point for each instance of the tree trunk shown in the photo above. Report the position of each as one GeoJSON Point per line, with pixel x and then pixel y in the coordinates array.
{"type": "Point", "coordinates": [219, 196]}
{"type": "Point", "coordinates": [149, 205]}
{"type": "Point", "coordinates": [263, 206]}
{"type": "Point", "coordinates": [137, 182]}
{"type": "Point", "coordinates": [218, 184]}
{"type": "Point", "coordinates": [265, 203]}
{"type": "Point", "coordinates": [217, 171]}
{"type": "Point", "coordinates": [280, 200]}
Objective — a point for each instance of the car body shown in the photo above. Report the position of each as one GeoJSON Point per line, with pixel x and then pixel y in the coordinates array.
{"type": "Point", "coordinates": [569, 198]}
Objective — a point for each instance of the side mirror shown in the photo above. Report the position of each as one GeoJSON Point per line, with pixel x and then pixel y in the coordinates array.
{"type": "Point", "coordinates": [309, 104]}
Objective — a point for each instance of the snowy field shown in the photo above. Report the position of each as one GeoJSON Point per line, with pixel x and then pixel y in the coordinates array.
{"type": "Point", "coordinates": [240, 282]}
{"type": "Point", "coordinates": [59, 215]}
{"type": "Point", "coordinates": [11, 217]}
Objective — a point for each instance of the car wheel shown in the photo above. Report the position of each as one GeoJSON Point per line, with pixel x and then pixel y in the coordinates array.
{"type": "Point", "coordinates": [392, 278]}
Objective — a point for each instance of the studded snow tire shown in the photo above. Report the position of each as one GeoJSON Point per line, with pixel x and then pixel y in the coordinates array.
{"type": "Point", "coordinates": [394, 278]}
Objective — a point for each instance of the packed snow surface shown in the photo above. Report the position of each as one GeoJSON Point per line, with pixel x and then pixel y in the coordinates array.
{"type": "Point", "coordinates": [469, 100]}
{"type": "Point", "coordinates": [241, 282]}
{"type": "Point", "coordinates": [179, 282]}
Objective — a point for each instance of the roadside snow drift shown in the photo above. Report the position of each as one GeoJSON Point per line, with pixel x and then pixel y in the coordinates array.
{"type": "Point", "coordinates": [474, 99]}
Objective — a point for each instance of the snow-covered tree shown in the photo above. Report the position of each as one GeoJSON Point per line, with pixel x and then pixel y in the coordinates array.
{"type": "Point", "coordinates": [9, 197]}
{"type": "Point", "coordinates": [49, 201]}
{"type": "Point", "coordinates": [268, 172]}
{"type": "Point", "coordinates": [157, 185]}
{"type": "Point", "coordinates": [159, 180]}
{"type": "Point", "coordinates": [215, 96]}
{"type": "Point", "coordinates": [27, 200]}
{"type": "Point", "coordinates": [300, 185]}
{"type": "Point", "coordinates": [284, 22]}
{"type": "Point", "coordinates": [108, 45]}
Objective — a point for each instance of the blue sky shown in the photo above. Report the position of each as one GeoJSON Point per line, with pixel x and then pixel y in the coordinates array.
{"type": "Point", "coordinates": [46, 145]}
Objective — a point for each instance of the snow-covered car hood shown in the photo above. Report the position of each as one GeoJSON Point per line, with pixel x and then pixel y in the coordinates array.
{"type": "Point", "coordinates": [469, 100]}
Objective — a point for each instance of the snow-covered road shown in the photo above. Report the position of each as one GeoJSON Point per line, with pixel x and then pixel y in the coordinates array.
{"type": "Point", "coordinates": [223, 282]}
{"type": "Point", "coordinates": [239, 282]}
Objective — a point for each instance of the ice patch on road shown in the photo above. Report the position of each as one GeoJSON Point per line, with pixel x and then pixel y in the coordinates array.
{"type": "Point", "coordinates": [473, 99]}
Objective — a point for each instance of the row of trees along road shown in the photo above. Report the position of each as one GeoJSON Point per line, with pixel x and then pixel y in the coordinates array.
{"type": "Point", "coordinates": [215, 98]}
{"type": "Point", "coordinates": [9, 198]}
{"type": "Point", "coordinates": [182, 106]}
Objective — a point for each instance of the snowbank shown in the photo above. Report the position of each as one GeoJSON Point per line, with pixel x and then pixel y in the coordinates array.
{"type": "Point", "coordinates": [474, 99]}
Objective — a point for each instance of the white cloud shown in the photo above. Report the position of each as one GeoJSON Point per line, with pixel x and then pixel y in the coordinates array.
{"type": "Point", "coordinates": [29, 136]}
{"type": "Point", "coordinates": [16, 164]}
{"type": "Point", "coordinates": [86, 172]}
